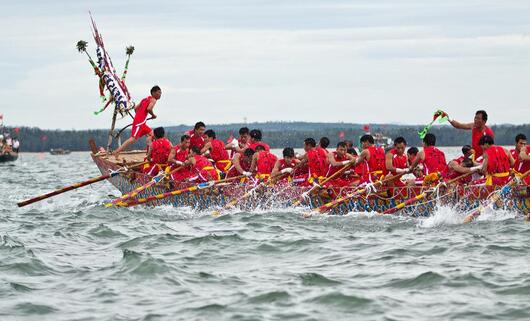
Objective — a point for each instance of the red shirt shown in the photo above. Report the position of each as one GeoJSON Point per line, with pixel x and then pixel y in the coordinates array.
{"type": "Point", "coordinates": [475, 137]}
{"type": "Point", "coordinates": [160, 149]}
{"type": "Point", "coordinates": [397, 161]}
{"type": "Point", "coordinates": [265, 162]}
{"type": "Point", "coordinates": [434, 160]}
{"type": "Point", "coordinates": [253, 145]}
{"type": "Point", "coordinates": [195, 140]}
{"type": "Point", "coordinates": [317, 162]}
{"type": "Point", "coordinates": [140, 115]}
{"type": "Point", "coordinates": [333, 169]}
{"type": "Point", "coordinates": [180, 154]}
{"type": "Point", "coordinates": [520, 166]}
{"type": "Point", "coordinates": [218, 151]}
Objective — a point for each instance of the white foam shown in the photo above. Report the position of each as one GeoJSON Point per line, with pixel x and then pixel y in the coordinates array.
{"type": "Point", "coordinates": [442, 216]}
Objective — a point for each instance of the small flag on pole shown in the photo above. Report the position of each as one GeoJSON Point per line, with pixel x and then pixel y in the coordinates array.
{"type": "Point", "coordinates": [342, 134]}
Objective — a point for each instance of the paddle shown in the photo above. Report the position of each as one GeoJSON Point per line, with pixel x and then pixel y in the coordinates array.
{"type": "Point", "coordinates": [136, 191]}
{"type": "Point", "coordinates": [176, 192]}
{"type": "Point", "coordinates": [78, 185]}
{"type": "Point", "coordinates": [423, 195]}
{"type": "Point", "coordinates": [337, 173]}
{"type": "Point", "coordinates": [336, 202]}
{"type": "Point", "coordinates": [505, 189]}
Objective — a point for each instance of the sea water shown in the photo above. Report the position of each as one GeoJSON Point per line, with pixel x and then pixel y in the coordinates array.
{"type": "Point", "coordinates": [70, 258]}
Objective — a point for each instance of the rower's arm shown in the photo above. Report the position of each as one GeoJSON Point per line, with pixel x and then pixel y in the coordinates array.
{"type": "Point", "coordinates": [237, 164]}
{"type": "Point", "coordinates": [332, 161]}
{"type": "Point", "coordinates": [459, 125]}
{"type": "Point", "coordinates": [276, 169]}
{"type": "Point", "coordinates": [149, 152]}
{"type": "Point", "coordinates": [523, 155]}
{"type": "Point", "coordinates": [365, 154]}
{"type": "Point", "coordinates": [206, 147]}
{"type": "Point", "coordinates": [458, 168]}
{"type": "Point", "coordinates": [254, 163]}
{"type": "Point", "coordinates": [172, 155]}
{"type": "Point", "coordinates": [510, 157]}
{"type": "Point", "coordinates": [484, 163]}
{"type": "Point", "coordinates": [388, 162]}
{"type": "Point", "coordinates": [420, 156]}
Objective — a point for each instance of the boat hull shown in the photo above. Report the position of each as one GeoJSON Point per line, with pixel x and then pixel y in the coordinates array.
{"type": "Point", "coordinates": [8, 157]}
{"type": "Point", "coordinates": [463, 198]}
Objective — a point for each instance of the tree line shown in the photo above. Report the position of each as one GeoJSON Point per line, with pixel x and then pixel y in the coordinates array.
{"type": "Point", "coordinates": [276, 134]}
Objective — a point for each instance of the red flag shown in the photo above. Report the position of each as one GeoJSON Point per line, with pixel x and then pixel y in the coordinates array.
{"type": "Point", "coordinates": [1, 116]}
{"type": "Point", "coordinates": [44, 138]}
{"type": "Point", "coordinates": [366, 128]}
{"type": "Point", "coordinates": [342, 134]}
{"type": "Point", "coordinates": [17, 130]}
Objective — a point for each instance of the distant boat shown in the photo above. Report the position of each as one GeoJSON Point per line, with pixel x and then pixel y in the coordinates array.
{"type": "Point", "coordinates": [8, 157]}
{"type": "Point", "coordinates": [59, 151]}
{"type": "Point", "coordinates": [9, 146]}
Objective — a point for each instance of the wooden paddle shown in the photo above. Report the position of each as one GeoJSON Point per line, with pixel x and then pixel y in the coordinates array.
{"type": "Point", "coordinates": [78, 185]}
{"type": "Point", "coordinates": [136, 191]}
{"type": "Point", "coordinates": [336, 202]}
{"type": "Point", "coordinates": [337, 173]}
{"type": "Point", "coordinates": [494, 198]}
{"type": "Point", "coordinates": [421, 196]}
{"type": "Point", "coordinates": [177, 192]}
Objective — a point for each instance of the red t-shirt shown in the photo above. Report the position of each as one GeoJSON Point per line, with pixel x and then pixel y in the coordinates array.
{"type": "Point", "coordinates": [475, 137]}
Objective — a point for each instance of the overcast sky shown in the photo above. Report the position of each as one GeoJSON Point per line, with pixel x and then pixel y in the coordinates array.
{"type": "Point", "coordinates": [223, 60]}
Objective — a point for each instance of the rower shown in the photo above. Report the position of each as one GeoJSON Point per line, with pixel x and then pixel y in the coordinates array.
{"type": "Point", "coordinates": [521, 155]}
{"type": "Point", "coordinates": [285, 165]}
{"type": "Point", "coordinates": [177, 158]}
{"type": "Point", "coordinates": [478, 129]}
{"type": "Point", "coordinates": [217, 151]}
{"type": "Point", "coordinates": [262, 163]}
{"type": "Point", "coordinates": [255, 140]}
{"type": "Point", "coordinates": [202, 168]}
{"type": "Point", "coordinates": [462, 165]}
{"type": "Point", "coordinates": [316, 160]}
{"type": "Point", "coordinates": [158, 152]}
{"type": "Point", "coordinates": [336, 160]}
{"type": "Point", "coordinates": [239, 145]}
{"type": "Point", "coordinates": [373, 158]}
{"type": "Point", "coordinates": [241, 163]}
{"type": "Point", "coordinates": [432, 158]}
{"type": "Point", "coordinates": [139, 126]}
{"type": "Point", "coordinates": [197, 135]}
{"type": "Point", "coordinates": [323, 144]}
{"type": "Point", "coordinates": [497, 162]}
{"type": "Point", "coordinates": [396, 162]}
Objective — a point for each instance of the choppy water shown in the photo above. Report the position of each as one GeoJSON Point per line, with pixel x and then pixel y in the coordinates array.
{"type": "Point", "coordinates": [70, 258]}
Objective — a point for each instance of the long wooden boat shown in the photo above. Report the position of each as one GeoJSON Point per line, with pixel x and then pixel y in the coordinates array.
{"type": "Point", "coordinates": [463, 198]}
{"type": "Point", "coordinates": [8, 157]}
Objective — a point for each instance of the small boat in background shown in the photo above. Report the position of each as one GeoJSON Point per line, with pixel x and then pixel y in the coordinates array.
{"type": "Point", "coordinates": [59, 151]}
{"type": "Point", "coordinates": [9, 145]}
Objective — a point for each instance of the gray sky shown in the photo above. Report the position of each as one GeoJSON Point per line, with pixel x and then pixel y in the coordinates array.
{"type": "Point", "coordinates": [220, 61]}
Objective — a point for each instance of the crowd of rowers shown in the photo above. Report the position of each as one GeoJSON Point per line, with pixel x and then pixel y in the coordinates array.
{"type": "Point", "coordinates": [201, 156]}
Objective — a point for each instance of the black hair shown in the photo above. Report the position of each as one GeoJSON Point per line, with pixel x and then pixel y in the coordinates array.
{"type": "Point", "coordinates": [155, 89]}
{"type": "Point", "coordinates": [259, 148]}
{"type": "Point", "coordinates": [196, 149]}
{"type": "Point", "coordinates": [400, 140]}
{"type": "Point", "coordinates": [210, 133]}
{"type": "Point", "coordinates": [352, 151]}
{"type": "Point", "coordinates": [348, 142]}
{"type": "Point", "coordinates": [243, 130]}
{"type": "Point", "coordinates": [288, 152]}
{"type": "Point", "coordinates": [324, 142]}
{"type": "Point", "coordinates": [413, 150]}
{"type": "Point", "coordinates": [429, 139]}
{"type": "Point", "coordinates": [486, 139]}
{"type": "Point", "coordinates": [159, 132]}
{"type": "Point", "coordinates": [520, 137]}
{"type": "Point", "coordinates": [367, 138]}
{"type": "Point", "coordinates": [467, 162]}
{"type": "Point", "coordinates": [342, 144]}
{"type": "Point", "coordinates": [199, 125]}
{"type": "Point", "coordinates": [249, 152]}
{"type": "Point", "coordinates": [310, 141]}
{"type": "Point", "coordinates": [483, 113]}
{"type": "Point", "coordinates": [184, 137]}
{"type": "Point", "coordinates": [256, 134]}
{"type": "Point", "coordinates": [466, 149]}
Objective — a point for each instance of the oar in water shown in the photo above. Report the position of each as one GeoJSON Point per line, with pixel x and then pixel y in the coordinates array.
{"type": "Point", "coordinates": [503, 191]}
{"type": "Point", "coordinates": [78, 185]}
{"type": "Point", "coordinates": [336, 202]}
{"type": "Point", "coordinates": [421, 196]}
{"type": "Point", "coordinates": [236, 200]}
{"type": "Point", "coordinates": [337, 173]}
{"type": "Point", "coordinates": [176, 192]}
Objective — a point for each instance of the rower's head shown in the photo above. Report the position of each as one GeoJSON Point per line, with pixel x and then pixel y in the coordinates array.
{"type": "Point", "coordinates": [185, 142]}
{"type": "Point", "coordinates": [156, 92]}
{"type": "Point", "coordinates": [486, 142]}
{"type": "Point", "coordinates": [309, 144]}
{"type": "Point", "coordinates": [429, 140]}
{"type": "Point", "coordinates": [342, 148]}
{"type": "Point", "coordinates": [210, 135]}
{"type": "Point", "coordinates": [249, 152]}
{"type": "Point", "coordinates": [412, 152]}
{"type": "Point", "coordinates": [288, 154]}
{"type": "Point", "coordinates": [481, 117]}
{"type": "Point", "coordinates": [244, 135]}
{"type": "Point", "coordinates": [467, 162]}
{"type": "Point", "coordinates": [367, 140]}
{"type": "Point", "coordinates": [399, 145]}
{"type": "Point", "coordinates": [467, 151]}
{"type": "Point", "coordinates": [159, 132]}
{"type": "Point", "coordinates": [195, 150]}
{"type": "Point", "coordinates": [349, 143]}
{"type": "Point", "coordinates": [352, 151]}
{"type": "Point", "coordinates": [324, 142]}
{"type": "Point", "coordinates": [255, 135]}
{"type": "Point", "coordinates": [260, 148]}
{"type": "Point", "coordinates": [520, 142]}
{"type": "Point", "coordinates": [199, 128]}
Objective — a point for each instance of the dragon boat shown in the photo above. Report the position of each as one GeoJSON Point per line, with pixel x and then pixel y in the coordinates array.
{"type": "Point", "coordinates": [463, 198]}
